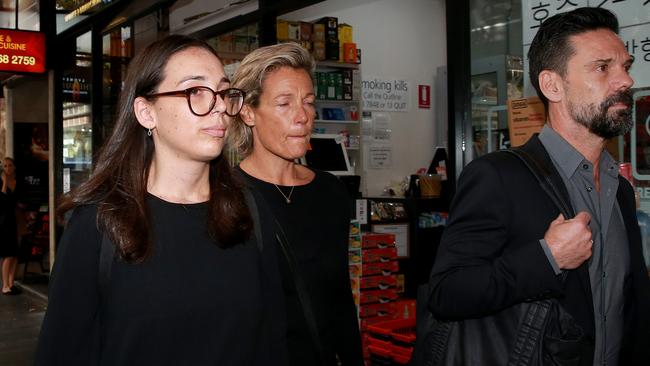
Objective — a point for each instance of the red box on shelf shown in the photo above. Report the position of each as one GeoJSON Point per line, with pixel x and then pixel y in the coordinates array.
{"type": "Point", "coordinates": [376, 268]}
{"type": "Point", "coordinates": [388, 309]}
{"type": "Point", "coordinates": [371, 296]}
{"type": "Point", "coordinates": [380, 282]}
{"type": "Point", "coordinates": [376, 240]}
{"type": "Point", "coordinates": [378, 255]}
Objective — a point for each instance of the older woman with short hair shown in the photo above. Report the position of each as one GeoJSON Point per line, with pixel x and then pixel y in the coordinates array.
{"type": "Point", "coordinates": [309, 208]}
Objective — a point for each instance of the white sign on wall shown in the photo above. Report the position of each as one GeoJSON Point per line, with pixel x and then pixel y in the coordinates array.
{"type": "Point", "coordinates": [385, 94]}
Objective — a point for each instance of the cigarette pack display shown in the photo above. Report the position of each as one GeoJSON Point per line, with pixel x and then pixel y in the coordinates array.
{"type": "Point", "coordinates": [318, 50]}
{"type": "Point", "coordinates": [332, 49]}
{"type": "Point", "coordinates": [282, 29]}
{"type": "Point", "coordinates": [331, 26]}
{"type": "Point", "coordinates": [350, 53]}
{"type": "Point", "coordinates": [345, 33]}
{"type": "Point", "coordinates": [347, 76]}
{"type": "Point", "coordinates": [306, 30]}
{"type": "Point", "coordinates": [318, 33]}
{"type": "Point", "coordinates": [293, 30]}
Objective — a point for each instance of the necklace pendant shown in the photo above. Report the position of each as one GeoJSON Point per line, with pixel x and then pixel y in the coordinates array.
{"type": "Point", "coordinates": [288, 200]}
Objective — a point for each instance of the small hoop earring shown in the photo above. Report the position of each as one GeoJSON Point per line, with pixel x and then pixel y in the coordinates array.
{"type": "Point", "coordinates": [149, 132]}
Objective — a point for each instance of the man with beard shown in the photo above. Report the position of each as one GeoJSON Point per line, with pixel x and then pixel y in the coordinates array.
{"type": "Point", "coordinates": [506, 243]}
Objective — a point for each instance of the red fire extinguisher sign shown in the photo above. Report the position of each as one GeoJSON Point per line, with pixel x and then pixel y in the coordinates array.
{"type": "Point", "coordinates": [424, 96]}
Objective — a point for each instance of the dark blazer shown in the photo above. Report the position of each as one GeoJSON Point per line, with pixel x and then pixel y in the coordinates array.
{"type": "Point", "coordinates": [490, 257]}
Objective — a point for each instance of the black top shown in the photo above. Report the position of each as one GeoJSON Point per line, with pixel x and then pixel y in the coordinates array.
{"type": "Point", "coordinates": [191, 303]}
{"type": "Point", "coordinates": [316, 224]}
{"type": "Point", "coordinates": [8, 228]}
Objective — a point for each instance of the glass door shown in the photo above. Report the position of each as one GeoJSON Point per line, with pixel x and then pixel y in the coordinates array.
{"type": "Point", "coordinates": [117, 48]}
{"type": "Point", "coordinates": [76, 79]}
{"type": "Point", "coordinates": [496, 71]}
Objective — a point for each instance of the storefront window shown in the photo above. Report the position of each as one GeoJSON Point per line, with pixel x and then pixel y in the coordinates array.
{"type": "Point", "coordinates": [77, 115]}
{"type": "Point", "coordinates": [8, 14]}
{"type": "Point", "coordinates": [28, 15]}
{"type": "Point", "coordinates": [117, 52]}
{"type": "Point", "coordinates": [497, 71]}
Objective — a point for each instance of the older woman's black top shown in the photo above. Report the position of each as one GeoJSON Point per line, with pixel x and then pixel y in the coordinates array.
{"type": "Point", "coordinates": [191, 303]}
{"type": "Point", "coordinates": [316, 223]}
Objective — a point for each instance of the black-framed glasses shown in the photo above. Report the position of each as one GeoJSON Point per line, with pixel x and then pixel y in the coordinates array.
{"type": "Point", "coordinates": [202, 99]}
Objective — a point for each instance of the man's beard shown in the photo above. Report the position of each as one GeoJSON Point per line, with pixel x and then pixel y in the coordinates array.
{"type": "Point", "coordinates": [600, 122]}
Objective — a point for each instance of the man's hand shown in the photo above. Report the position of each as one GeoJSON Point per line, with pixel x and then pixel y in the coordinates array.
{"type": "Point", "coordinates": [570, 240]}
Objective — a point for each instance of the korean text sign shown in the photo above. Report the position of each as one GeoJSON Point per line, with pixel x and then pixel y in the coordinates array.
{"type": "Point", "coordinates": [22, 51]}
{"type": "Point", "coordinates": [634, 21]}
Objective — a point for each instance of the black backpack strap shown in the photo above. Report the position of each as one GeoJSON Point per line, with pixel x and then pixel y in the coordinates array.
{"type": "Point", "coordinates": [542, 173]}
{"type": "Point", "coordinates": [532, 327]}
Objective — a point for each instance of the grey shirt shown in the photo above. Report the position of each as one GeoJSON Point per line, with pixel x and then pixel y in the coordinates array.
{"type": "Point", "coordinates": [609, 264]}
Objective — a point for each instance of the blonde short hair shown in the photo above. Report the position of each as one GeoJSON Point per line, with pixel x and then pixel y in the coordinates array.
{"type": "Point", "coordinates": [250, 76]}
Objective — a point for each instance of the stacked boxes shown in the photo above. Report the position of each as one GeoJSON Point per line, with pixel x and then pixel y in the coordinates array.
{"type": "Point", "coordinates": [240, 41]}
{"type": "Point", "coordinates": [373, 267]}
{"type": "Point", "coordinates": [325, 38]}
{"type": "Point", "coordinates": [331, 33]}
{"type": "Point", "coordinates": [330, 85]}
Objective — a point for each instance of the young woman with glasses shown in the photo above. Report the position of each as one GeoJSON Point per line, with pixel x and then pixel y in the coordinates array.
{"type": "Point", "coordinates": [187, 283]}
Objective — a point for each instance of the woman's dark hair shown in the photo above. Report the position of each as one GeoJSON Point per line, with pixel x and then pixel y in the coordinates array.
{"type": "Point", "coordinates": [551, 47]}
{"type": "Point", "coordinates": [118, 185]}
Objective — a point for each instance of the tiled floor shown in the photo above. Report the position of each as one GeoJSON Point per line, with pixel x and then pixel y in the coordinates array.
{"type": "Point", "coordinates": [20, 323]}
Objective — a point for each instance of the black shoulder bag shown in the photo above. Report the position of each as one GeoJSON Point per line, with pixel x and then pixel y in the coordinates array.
{"type": "Point", "coordinates": [546, 333]}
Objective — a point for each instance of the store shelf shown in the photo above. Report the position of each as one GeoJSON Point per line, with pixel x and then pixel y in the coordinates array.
{"type": "Point", "coordinates": [336, 64]}
{"type": "Point", "coordinates": [340, 122]}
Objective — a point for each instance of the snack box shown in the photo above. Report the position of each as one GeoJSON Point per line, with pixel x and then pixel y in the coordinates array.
{"type": "Point", "coordinates": [380, 282]}
{"type": "Point", "coordinates": [355, 270]}
{"type": "Point", "coordinates": [382, 296]}
{"type": "Point", "coordinates": [354, 256]}
{"type": "Point", "coordinates": [376, 268]}
{"type": "Point", "coordinates": [376, 240]}
{"type": "Point", "coordinates": [354, 242]}
{"type": "Point", "coordinates": [378, 255]}
{"type": "Point", "coordinates": [365, 322]}
{"type": "Point", "coordinates": [378, 309]}
{"type": "Point", "coordinates": [355, 227]}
